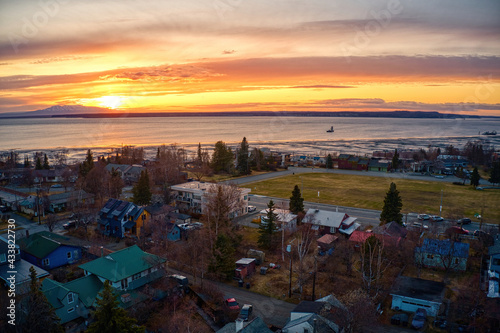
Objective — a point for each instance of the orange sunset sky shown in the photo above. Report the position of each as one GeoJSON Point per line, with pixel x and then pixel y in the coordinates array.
{"type": "Point", "coordinates": [235, 55]}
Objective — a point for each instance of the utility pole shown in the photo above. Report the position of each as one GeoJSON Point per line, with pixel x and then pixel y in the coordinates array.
{"type": "Point", "coordinates": [441, 205]}
{"type": "Point", "coordinates": [38, 204]}
{"type": "Point", "coordinates": [314, 278]}
{"type": "Point", "coordinates": [289, 250]}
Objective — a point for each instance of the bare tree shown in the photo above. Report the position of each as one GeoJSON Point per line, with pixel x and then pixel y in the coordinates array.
{"type": "Point", "coordinates": [372, 264]}
{"type": "Point", "coordinates": [223, 203]}
{"type": "Point", "coordinates": [305, 239]}
{"type": "Point", "coordinates": [51, 222]}
{"type": "Point", "coordinates": [360, 312]}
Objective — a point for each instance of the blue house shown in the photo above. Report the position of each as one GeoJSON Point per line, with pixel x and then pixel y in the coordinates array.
{"type": "Point", "coordinates": [444, 254]}
{"type": "Point", "coordinates": [173, 232]}
{"type": "Point", "coordinates": [120, 218]}
{"type": "Point", "coordinates": [48, 250]}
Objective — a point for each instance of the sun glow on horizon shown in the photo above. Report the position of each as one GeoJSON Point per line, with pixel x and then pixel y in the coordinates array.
{"type": "Point", "coordinates": [110, 102]}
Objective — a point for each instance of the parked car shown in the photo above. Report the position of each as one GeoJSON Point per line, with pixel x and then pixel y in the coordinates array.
{"type": "Point", "coordinates": [252, 208]}
{"type": "Point", "coordinates": [69, 224]}
{"type": "Point", "coordinates": [246, 312]}
{"type": "Point", "coordinates": [437, 218]}
{"type": "Point", "coordinates": [232, 304]}
{"type": "Point", "coordinates": [465, 220]}
{"type": "Point", "coordinates": [423, 217]}
{"type": "Point", "coordinates": [418, 321]}
{"type": "Point", "coordinates": [4, 209]}
{"type": "Point", "coordinates": [56, 186]}
{"type": "Point", "coordinates": [400, 319]}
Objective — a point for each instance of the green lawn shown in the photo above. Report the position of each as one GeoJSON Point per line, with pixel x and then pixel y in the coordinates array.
{"type": "Point", "coordinates": [369, 192]}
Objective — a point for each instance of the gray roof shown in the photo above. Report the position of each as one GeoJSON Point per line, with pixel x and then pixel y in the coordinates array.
{"type": "Point", "coordinates": [444, 247]}
{"type": "Point", "coordinates": [322, 325]}
{"type": "Point", "coordinates": [419, 289]}
{"type": "Point", "coordinates": [257, 325]}
{"type": "Point", "coordinates": [495, 248]}
{"type": "Point", "coordinates": [309, 307]}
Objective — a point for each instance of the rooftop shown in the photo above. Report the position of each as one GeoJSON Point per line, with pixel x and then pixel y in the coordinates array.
{"type": "Point", "coordinates": [418, 288]}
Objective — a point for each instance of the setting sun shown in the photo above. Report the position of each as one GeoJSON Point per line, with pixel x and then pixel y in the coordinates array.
{"type": "Point", "coordinates": [110, 102]}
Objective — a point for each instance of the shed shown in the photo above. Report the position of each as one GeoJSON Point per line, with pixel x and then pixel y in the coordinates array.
{"type": "Point", "coordinates": [245, 267]}
{"type": "Point", "coordinates": [326, 242]}
{"type": "Point", "coordinates": [409, 294]}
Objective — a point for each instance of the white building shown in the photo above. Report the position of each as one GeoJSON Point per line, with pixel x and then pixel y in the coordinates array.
{"type": "Point", "coordinates": [193, 196]}
{"type": "Point", "coordinates": [330, 222]}
{"type": "Point", "coordinates": [283, 218]}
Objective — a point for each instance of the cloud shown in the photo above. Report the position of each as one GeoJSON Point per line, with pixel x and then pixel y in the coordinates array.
{"type": "Point", "coordinates": [228, 51]}
{"type": "Point", "coordinates": [59, 59]}
{"type": "Point", "coordinates": [321, 86]}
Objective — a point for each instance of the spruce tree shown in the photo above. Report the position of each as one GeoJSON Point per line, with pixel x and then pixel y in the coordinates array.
{"type": "Point", "coordinates": [222, 159]}
{"type": "Point", "coordinates": [223, 257]}
{"type": "Point", "coordinates": [392, 206]}
{"type": "Point", "coordinates": [243, 160]}
{"type": "Point", "coordinates": [38, 163]}
{"type": "Point", "coordinates": [87, 165]}
{"type": "Point", "coordinates": [395, 160]}
{"type": "Point", "coordinates": [475, 177]}
{"type": "Point", "coordinates": [267, 230]}
{"type": "Point", "coordinates": [296, 201]}
{"type": "Point", "coordinates": [142, 191]}
{"type": "Point", "coordinates": [36, 314]}
{"type": "Point", "coordinates": [495, 173]}
{"type": "Point", "coordinates": [46, 165]}
{"type": "Point", "coordinates": [109, 317]}
{"type": "Point", "coordinates": [329, 161]}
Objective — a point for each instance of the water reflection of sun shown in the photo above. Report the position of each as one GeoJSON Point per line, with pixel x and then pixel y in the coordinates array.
{"type": "Point", "coordinates": [111, 102]}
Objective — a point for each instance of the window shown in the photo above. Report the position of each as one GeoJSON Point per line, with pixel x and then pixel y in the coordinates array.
{"type": "Point", "coordinates": [70, 298]}
{"type": "Point", "coordinates": [430, 256]}
{"type": "Point", "coordinates": [46, 262]}
{"type": "Point", "coordinates": [136, 276]}
{"type": "Point", "coordinates": [69, 255]}
{"type": "Point", "coordinates": [71, 310]}
{"type": "Point", "coordinates": [3, 258]}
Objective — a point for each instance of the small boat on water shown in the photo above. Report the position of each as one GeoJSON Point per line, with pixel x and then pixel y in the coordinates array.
{"type": "Point", "coordinates": [330, 130]}
{"type": "Point", "coordinates": [490, 133]}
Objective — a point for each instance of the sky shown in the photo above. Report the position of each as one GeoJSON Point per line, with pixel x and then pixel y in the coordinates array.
{"type": "Point", "coordinates": [235, 55]}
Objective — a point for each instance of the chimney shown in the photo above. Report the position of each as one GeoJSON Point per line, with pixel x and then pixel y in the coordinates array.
{"type": "Point", "coordinates": [102, 251]}
{"type": "Point", "coordinates": [239, 324]}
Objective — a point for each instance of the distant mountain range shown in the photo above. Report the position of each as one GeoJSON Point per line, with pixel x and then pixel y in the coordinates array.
{"type": "Point", "coordinates": [80, 111]}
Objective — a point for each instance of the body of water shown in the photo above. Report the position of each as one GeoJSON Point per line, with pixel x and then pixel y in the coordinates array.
{"type": "Point", "coordinates": [305, 135]}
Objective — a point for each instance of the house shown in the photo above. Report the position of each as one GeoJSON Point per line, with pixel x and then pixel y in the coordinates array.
{"type": "Point", "coordinates": [255, 325]}
{"type": "Point", "coordinates": [158, 211]}
{"type": "Point", "coordinates": [178, 218]}
{"type": "Point", "coordinates": [494, 269]}
{"type": "Point", "coordinates": [392, 229]}
{"type": "Point", "coordinates": [22, 277]}
{"type": "Point", "coordinates": [121, 218]}
{"type": "Point", "coordinates": [409, 294]}
{"type": "Point", "coordinates": [343, 161]}
{"type": "Point", "coordinates": [64, 201]}
{"type": "Point", "coordinates": [48, 176]}
{"type": "Point", "coordinates": [129, 173]}
{"type": "Point", "coordinates": [174, 232]}
{"type": "Point", "coordinates": [193, 196]}
{"type": "Point", "coordinates": [444, 254]}
{"type": "Point", "coordinates": [126, 269]}
{"type": "Point", "coordinates": [327, 222]}
{"type": "Point", "coordinates": [245, 267]}
{"type": "Point", "coordinates": [72, 300]}
{"type": "Point", "coordinates": [49, 250]}
{"type": "Point", "coordinates": [28, 205]}
{"type": "Point", "coordinates": [359, 237]}
{"type": "Point", "coordinates": [11, 198]}
{"type": "Point", "coordinates": [326, 242]}
{"type": "Point", "coordinates": [378, 165]}
{"type": "Point", "coordinates": [284, 217]}
{"type": "Point", "coordinates": [321, 316]}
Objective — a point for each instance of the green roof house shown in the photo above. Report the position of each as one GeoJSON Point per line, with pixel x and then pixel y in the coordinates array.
{"type": "Point", "coordinates": [73, 299]}
{"type": "Point", "coordinates": [126, 269]}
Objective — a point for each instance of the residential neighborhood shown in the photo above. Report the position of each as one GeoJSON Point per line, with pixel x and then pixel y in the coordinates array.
{"type": "Point", "coordinates": [305, 248]}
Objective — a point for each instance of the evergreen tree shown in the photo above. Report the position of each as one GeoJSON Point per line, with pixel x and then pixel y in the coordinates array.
{"type": "Point", "coordinates": [37, 315]}
{"type": "Point", "coordinates": [199, 154]}
{"type": "Point", "coordinates": [38, 163]}
{"type": "Point", "coordinates": [243, 160]}
{"type": "Point", "coordinates": [46, 165]}
{"type": "Point", "coordinates": [475, 177]}
{"type": "Point", "coordinates": [296, 201]}
{"type": "Point", "coordinates": [87, 165]}
{"type": "Point", "coordinates": [392, 206]}
{"type": "Point", "coordinates": [329, 161]}
{"type": "Point", "coordinates": [27, 162]}
{"type": "Point", "coordinates": [109, 317]}
{"type": "Point", "coordinates": [222, 159]}
{"type": "Point", "coordinates": [223, 257]}
{"type": "Point", "coordinates": [495, 173]}
{"type": "Point", "coordinates": [142, 191]}
{"type": "Point", "coordinates": [267, 230]}
{"type": "Point", "coordinates": [395, 160]}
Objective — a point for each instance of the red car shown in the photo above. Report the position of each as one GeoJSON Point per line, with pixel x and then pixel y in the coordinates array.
{"type": "Point", "coordinates": [232, 304]}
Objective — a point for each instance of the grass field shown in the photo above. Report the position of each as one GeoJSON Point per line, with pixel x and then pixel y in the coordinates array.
{"type": "Point", "coordinates": [369, 192]}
